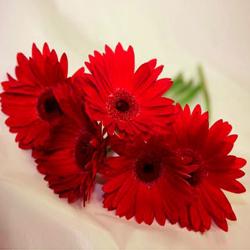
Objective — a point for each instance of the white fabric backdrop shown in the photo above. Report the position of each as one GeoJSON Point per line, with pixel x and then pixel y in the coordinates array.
{"type": "Point", "coordinates": [180, 34]}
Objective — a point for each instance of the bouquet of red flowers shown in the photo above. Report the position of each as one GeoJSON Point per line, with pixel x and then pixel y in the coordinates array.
{"type": "Point", "coordinates": [156, 160]}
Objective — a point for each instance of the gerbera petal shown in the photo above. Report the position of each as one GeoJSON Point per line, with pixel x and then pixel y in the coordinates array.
{"type": "Point", "coordinates": [115, 183]}
{"type": "Point", "coordinates": [214, 211]}
{"type": "Point", "coordinates": [194, 218]}
{"type": "Point", "coordinates": [126, 204]}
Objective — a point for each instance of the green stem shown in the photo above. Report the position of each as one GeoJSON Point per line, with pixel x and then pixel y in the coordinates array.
{"type": "Point", "coordinates": [204, 88]}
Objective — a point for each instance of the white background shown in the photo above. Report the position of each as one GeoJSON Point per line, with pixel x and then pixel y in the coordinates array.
{"type": "Point", "coordinates": [180, 34]}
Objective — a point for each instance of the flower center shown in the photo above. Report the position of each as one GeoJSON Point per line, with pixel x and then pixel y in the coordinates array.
{"type": "Point", "coordinates": [121, 105]}
{"type": "Point", "coordinates": [84, 150]}
{"type": "Point", "coordinates": [197, 176]}
{"type": "Point", "coordinates": [147, 171]}
{"type": "Point", "coordinates": [193, 165]}
{"type": "Point", "coordinates": [48, 107]}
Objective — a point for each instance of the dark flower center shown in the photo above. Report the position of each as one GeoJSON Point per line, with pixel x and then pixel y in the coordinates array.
{"type": "Point", "coordinates": [83, 150]}
{"type": "Point", "coordinates": [48, 107]}
{"type": "Point", "coordinates": [193, 165]}
{"type": "Point", "coordinates": [147, 171]}
{"type": "Point", "coordinates": [121, 105]}
{"type": "Point", "coordinates": [196, 177]}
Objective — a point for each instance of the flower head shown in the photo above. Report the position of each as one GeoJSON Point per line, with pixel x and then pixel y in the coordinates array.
{"type": "Point", "coordinates": [142, 184]}
{"type": "Point", "coordinates": [29, 99]}
{"type": "Point", "coordinates": [203, 156]}
{"type": "Point", "coordinates": [123, 99]}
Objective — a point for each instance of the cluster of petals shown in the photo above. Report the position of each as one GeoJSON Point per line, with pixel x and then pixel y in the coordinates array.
{"type": "Point", "coordinates": [157, 161]}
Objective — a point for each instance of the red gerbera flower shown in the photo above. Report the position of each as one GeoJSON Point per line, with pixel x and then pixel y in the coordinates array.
{"type": "Point", "coordinates": [74, 151]}
{"type": "Point", "coordinates": [141, 182]}
{"type": "Point", "coordinates": [125, 100]}
{"type": "Point", "coordinates": [203, 155]}
{"type": "Point", "coordinates": [29, 100]}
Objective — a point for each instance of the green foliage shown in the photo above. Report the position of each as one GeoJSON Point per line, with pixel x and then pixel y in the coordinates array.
{"type": "Point", "coordinates": [185, 91]}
